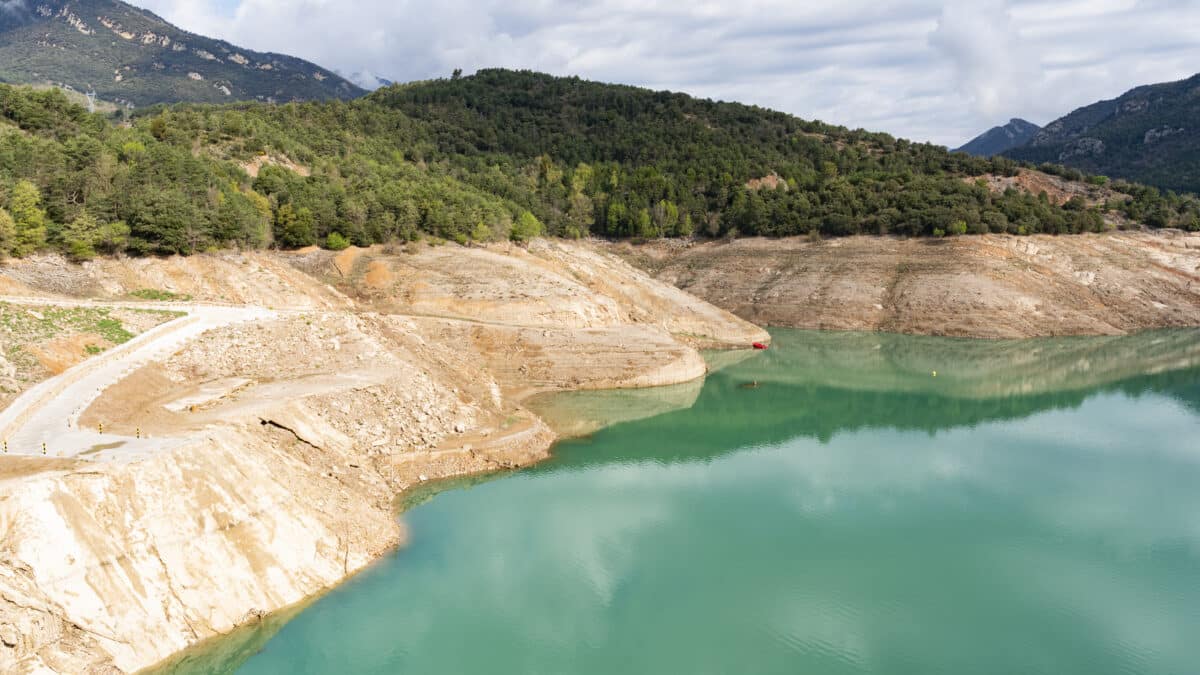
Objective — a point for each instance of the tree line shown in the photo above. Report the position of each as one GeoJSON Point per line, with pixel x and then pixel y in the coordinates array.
{"type": "Point", "coordinates": [497, 155]}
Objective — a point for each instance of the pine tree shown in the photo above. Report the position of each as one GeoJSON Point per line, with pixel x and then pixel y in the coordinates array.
{"type": "Point", "coordinates": [527, 227]}
{"type": "Point", "coordinates": [29, 219]}
{"type": "Point", "coordinates": [81, 237]}
{"type": "Point", "coordinates": [8, 231]}
{"type": "Point", "coordinates": [113, 236]}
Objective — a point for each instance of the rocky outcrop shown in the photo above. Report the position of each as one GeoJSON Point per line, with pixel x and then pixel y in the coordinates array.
{"type": "Point", "coordinates": [1146, 135]}
{"type": "Point", "coordinates": [290, 438]}
{"type": "Point", "coordinates": [1153, 136]}
{"type": "Point", "coordinates": [1082, 147]}
{"type": "Point", "coordinates": [131, 56]}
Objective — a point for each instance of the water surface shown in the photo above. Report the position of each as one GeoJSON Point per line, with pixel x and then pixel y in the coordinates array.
{"type": "Point", "coordinates": [829, 506]}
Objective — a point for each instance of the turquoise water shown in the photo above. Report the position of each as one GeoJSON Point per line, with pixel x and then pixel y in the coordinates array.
{"type": "Point", "coordinates": [829, 506]}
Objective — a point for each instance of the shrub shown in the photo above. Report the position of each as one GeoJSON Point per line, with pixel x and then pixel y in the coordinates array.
{"type": "Point", "coordinates": [481, 233]}
{"type": "Point", "coordinates": [336, 242]}
{"type": "Point", "coordinates": [160, 295]}
{"type": "Point", "coordinates": [527, 227]}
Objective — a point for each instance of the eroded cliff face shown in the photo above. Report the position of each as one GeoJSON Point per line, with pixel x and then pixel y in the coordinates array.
{"type": "Point", "coordinates": [287, 440]}
{"type": "Point", "coordinates": [975, 286]}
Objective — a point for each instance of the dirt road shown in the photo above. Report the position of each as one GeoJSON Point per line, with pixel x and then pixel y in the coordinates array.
{"type": "Point", "coordinates": [44, 421]}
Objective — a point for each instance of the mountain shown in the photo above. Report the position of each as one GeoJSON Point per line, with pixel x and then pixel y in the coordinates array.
{"type": "Point", "coordinates": [132, 57]}
{"type": "Point", "coordinates": [503, 154]}
{"type": "Point", "coordinates": [995, 141]}
{"type": "Point", "coordinates": [1150, 134]}
{"type": "Point", "coordinates": [368, 80]}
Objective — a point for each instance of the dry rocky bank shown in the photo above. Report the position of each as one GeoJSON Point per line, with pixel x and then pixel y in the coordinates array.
{"type": "Point", "coordinates": [381, 370]}
{"type": "Point", "coordinates": [386, 368]}
{"type": "Point", "coordinates": [987, 286]}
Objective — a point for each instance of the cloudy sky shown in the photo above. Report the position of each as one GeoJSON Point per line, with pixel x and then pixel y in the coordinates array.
{"type": "Point", "coordinates": [936, 70]}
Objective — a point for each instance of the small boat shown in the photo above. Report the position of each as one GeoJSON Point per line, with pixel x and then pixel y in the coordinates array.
{"type": "Point", "coordinates": [759, 345]}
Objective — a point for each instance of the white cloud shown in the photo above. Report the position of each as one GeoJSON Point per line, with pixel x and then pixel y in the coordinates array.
{"type": "Point", "coordinates": [925, 69]}
{"type": "Point", "coordinates": [994, 67]}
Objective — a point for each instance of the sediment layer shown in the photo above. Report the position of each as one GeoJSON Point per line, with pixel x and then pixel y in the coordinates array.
{"type": "Point", "coordinates": [988, 286]}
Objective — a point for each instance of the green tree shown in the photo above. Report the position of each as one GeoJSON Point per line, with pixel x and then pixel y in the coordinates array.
{"type": "Point", "coordinates": [686, 228]}
{"type": "Point", "coordinates": [113, 237]}
{"type": "Point", "coordinates": [336, 242]}
{"type": "Point", "coordinates": [580, 212]}
{"type": "Point", "coordinates": [481, 232]}
{"type": "Point", "coordinates": [645, 224]}
{"type": "Point", "coordinates": [294, 228]}
{"type": "Point", "coordinates": [527, 227]}
{"type": "Point", "coordinates": [617, 216]}
{"type": "Point", "coordinates": [8, 231]}
{"type": "Point", "coordinates": [29, 219]}
{"type": "Point", "coordinates": [81, 237]}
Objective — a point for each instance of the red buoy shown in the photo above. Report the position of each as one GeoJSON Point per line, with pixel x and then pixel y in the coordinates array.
{"type": "Point", "coordinates": [759, 345]}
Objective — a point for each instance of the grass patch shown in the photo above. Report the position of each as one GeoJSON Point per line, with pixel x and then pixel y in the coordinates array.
{"type": "Point", "coordinates": [25, 330]}
{"type": "Point", "coordinates": [21, 325]}
{"type": "Point", "coordinates": [112, 330]}
{"type": "Point", "coordinates": [159, 295]}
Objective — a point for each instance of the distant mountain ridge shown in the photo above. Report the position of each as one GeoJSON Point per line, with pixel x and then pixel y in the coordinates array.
{"type": "Point", "coordinates": [130, 56]}
{"type": "Point", "coordinates": [1150, 134]}
{"type": "Point", "coordinates": [997, 140]}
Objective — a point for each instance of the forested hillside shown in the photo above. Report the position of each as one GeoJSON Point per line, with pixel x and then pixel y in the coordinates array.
{"type": "Point", "coordinates": [497, 155]}
{"type": "Point", "coordinates": [1150, 134]}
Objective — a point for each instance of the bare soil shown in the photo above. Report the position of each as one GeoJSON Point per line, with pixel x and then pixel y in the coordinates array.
{"type": "Point", "coordinates": [976, 286]}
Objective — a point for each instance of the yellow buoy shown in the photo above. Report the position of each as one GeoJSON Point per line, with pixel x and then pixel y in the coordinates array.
{"type": "Point", "coordinates": [935, 373]}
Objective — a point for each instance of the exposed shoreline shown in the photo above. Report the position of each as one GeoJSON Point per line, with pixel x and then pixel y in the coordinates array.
{"type": "Point", "coordinates": [1004, 370]}
{"type": "Point", "coordinates": [252, 635]}
{"type": "Point", "coordinates": [977, 286]}
{"type": "Point", "coordinates": [296, 434]}
{"type": "Point", "coordinates": [374, 373]}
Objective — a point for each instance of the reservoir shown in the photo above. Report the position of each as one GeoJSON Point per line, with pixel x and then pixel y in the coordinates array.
{"type": "Point", "coordinates": [828, 506]}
